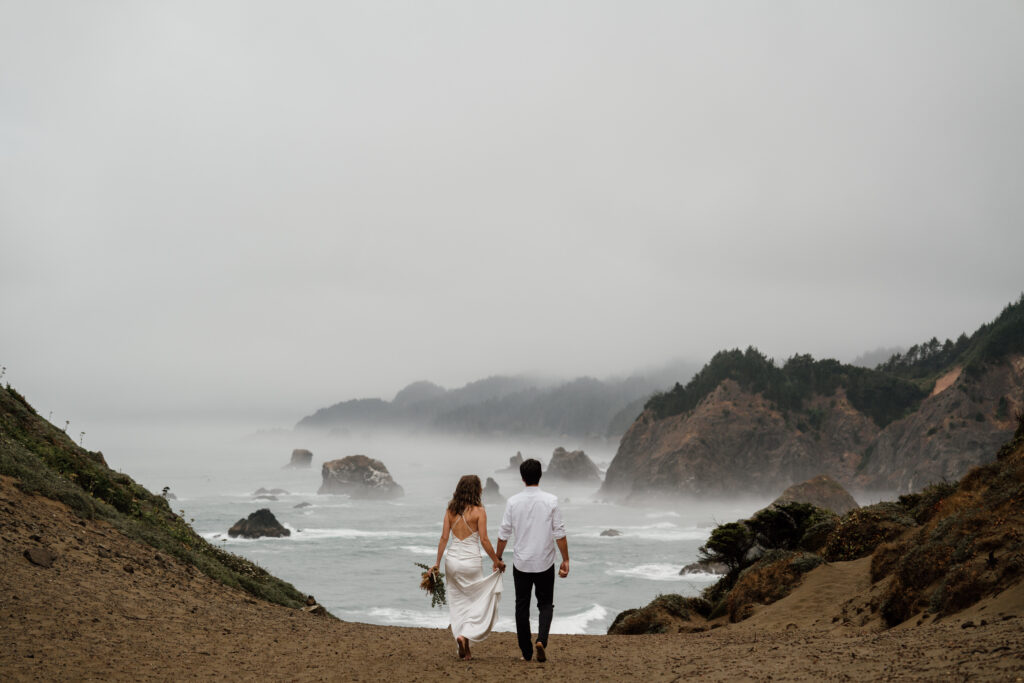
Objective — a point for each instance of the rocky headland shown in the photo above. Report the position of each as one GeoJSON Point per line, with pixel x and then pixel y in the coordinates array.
{"type": "Point", "coordinates": [745, 425]}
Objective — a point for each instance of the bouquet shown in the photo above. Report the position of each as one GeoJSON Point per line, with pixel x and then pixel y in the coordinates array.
{"type": "Point", "coordinates": [433, 583]}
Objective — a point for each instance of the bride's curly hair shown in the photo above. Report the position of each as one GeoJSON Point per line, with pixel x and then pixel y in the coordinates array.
{"type": "Point", "coordinates": [467, 494]}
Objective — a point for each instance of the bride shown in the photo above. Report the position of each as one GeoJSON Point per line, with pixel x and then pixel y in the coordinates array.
{"type": "Point", "coordinates": [472, 597]}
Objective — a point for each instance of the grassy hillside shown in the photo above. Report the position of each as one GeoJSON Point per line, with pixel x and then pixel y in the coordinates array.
{"type": "Point", "coordinates": [47, 462]}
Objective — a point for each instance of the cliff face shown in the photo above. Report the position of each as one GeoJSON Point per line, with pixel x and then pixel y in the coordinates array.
{"type": "Point", "coordinates": [956, 428]}
{"type": "Point", "coordinates": [735, 441]}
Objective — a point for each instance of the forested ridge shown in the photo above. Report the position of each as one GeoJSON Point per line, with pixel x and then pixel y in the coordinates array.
{"type": "Point", "coordinates": [885, 393]}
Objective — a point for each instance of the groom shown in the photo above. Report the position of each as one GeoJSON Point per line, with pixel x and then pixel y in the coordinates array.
{"type": "Point", "coordinates": [533, 517]}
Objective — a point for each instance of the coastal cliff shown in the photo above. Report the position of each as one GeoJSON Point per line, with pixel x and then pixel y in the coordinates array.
{"type": "Point", "coordinates": [745, 425]}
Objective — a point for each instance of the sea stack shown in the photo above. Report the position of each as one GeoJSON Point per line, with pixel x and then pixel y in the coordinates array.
{"type": "Point", "coordinates": [359, 477]}
{"type": "Point", "coordinates": [492, 494]}
{"type": "Point", "coordinates": [258, 524]}
{"type": "Point", "coordinates": [301, 458]}
{"type": "Point", "coordinates": [575, 467]}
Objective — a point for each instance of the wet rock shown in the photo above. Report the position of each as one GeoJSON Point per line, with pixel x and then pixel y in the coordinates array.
{"type": "Point", "coordinates": [257, 525]}
{"type": "Point", "coordinates": [303, 504]}
{"type": "Point", "coordinates": [611, 532]}
{"type": "Point", "coordinates": [705, 568]}
{"type": "Point", "coordinates": [41, 557]}
{"type": "Point", "coordinates": [359, 477]}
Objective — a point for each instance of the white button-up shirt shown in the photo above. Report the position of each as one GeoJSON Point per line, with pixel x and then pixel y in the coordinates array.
{"type": "Point", "coordinates": [533, 517]}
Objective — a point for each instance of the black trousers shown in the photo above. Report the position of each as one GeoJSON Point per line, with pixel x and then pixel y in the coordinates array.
{"type": "Point", "coordinates": [526, 582]}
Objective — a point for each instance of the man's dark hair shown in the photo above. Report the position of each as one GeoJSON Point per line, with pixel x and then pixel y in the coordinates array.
{"type": "Point", "coordinates": [530, 472]}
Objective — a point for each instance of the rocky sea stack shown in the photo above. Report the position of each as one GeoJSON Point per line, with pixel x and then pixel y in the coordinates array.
{"type": "Point", "coordinates": [360, 477]}
{"type": "Point", "coordinates": [822, 491]}
{"type": "Point", "coordinates": [573, 466]}
{"type": "Point", "coordinates": [301, 459]}
{"type": "Point", "coordinates": [491, 494]}
{"type": "Point", "coordinates": [514, 462]}
{"type": "Point", "coordinates": [257, 525]}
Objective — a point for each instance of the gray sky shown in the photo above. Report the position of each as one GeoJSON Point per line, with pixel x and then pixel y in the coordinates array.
{"type": "Point", "coordinates": [262, 208]}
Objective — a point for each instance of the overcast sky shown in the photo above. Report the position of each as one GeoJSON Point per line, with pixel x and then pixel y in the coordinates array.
{"type": "Point", "coordinates": [262, 207]}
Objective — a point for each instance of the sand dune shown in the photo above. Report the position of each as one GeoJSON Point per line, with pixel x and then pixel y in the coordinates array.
{"type": "Point", "coordinates": [112, 608]}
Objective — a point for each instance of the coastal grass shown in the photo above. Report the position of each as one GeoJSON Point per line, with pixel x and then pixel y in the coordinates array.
{"type": "Point", "coordinates": [47, 462]}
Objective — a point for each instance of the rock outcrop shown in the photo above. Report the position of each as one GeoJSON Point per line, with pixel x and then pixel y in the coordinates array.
{"type": "Point", "coordinates": [953, 430]}
{"type": "Point", "coordinates": [611, 532]}
{"type": "Point", "coordinates": [514, 462]}
{"type": "Point", "coordinates": [301, 458]}
{"type": "Point", "coordinates": [736, 441]}
{"type": "Point", "coordinates": [269, 492]}
{"type": "Point", "coordinates": [491, 494]}
{"type": "Point", "coordinates": [257, 525]}
{"type": "Point", "coordinates": [573, 466]}
{"type": "Point", "coordinates": [359, 477]}
{"type": "Point", "coordinates": [822, 491]}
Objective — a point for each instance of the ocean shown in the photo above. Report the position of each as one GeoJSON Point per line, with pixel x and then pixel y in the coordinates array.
{"type": "Point", "coordinates": [357, 556]}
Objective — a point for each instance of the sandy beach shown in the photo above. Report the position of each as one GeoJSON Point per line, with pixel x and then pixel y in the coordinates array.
{"type": "Point", "coordinates": [112, 608]}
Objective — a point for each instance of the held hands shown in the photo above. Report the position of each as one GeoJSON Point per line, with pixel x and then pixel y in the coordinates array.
{"type": "Point", "coordinates": [563, 569]}
{"type": "Point", "coordinates": [499, 566]}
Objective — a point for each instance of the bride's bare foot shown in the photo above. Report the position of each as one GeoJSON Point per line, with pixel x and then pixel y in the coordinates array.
{"type": "Point", "coordinates": [463, 647]}
{"type": "Point", "coordinates": [469, 655]}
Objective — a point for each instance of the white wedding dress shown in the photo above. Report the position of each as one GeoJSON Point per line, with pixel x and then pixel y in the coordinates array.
{"type": "Point", "coordinates": [472, 597]}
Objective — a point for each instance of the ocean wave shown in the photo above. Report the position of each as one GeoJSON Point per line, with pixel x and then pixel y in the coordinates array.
{"type": "Point", "coordinates": [664, 531]}
{"type": "Point", "coordinates": [570, 624]}
{"type": "Point", "coordinates": [665, 513]}
{"type": "Point", "coordinates": [659, 572]}
{"type": "Point", "coordinates": [361, 533]}
{"type": "Point", "coordinates": [309, 534]}
{"type": "Point", "coordinates": [419, 549]}
{"type": "Point", "coordinates": [406, 617]}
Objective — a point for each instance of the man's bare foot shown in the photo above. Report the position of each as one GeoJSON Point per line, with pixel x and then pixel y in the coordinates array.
{"type": "Point", "coordinates": [541, 655]}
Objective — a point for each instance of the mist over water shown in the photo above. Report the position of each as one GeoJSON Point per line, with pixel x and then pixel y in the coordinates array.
{"type": "Point", "coordinates": [357, 556]}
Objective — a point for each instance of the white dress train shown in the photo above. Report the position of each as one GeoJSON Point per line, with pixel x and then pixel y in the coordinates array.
{"type": "Point", "coordinates": [472, 597]}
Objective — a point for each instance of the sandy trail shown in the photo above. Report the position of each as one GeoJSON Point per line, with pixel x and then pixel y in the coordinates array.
{"type": "Point", "coordinates": [88, 618]}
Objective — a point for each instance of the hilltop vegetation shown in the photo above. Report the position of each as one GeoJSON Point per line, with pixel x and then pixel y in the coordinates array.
{"type": "Point", "coordinates": [47, 462]}
{"type": "Point", "coordinates": [881, 396]}
{"type": "Point", "coordinates": [885, 394]}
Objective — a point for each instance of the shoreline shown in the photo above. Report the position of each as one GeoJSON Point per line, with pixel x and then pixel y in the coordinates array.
{"type": "Point", "coordinates": [113, 608]}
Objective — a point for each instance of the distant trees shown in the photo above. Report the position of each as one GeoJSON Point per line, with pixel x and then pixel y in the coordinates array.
{"type": "Point", "coordinates": [880, 395]}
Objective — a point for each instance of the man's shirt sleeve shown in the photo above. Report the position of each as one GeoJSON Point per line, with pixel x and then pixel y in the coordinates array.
{"type": "Point", "coordinates": [557, 525]}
